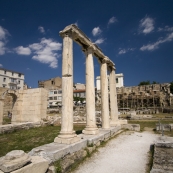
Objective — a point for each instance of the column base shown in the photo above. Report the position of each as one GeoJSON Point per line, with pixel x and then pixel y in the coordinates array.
{"type": "Point", "coordinates": [115, 123]}
{"type": "Point", "coordinates": [90, 131]}
{"type": "Point", "coordinates": [60, 140]}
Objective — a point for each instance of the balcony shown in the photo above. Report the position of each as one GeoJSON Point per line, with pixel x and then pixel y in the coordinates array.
{"type": "Point", "coordinates": [13, 83]}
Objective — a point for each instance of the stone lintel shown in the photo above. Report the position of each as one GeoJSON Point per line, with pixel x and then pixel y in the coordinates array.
{"type": "Point", "coordinates": [80, 38]}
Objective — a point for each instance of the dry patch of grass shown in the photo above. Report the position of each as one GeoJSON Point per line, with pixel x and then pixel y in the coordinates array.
{"type": "Point", "coordinates": [28, 139]}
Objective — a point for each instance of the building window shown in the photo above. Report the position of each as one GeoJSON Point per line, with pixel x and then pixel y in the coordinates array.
{"type": "Point", "coordinates": [3, 86]}
{"type": "Point", "coordinates": [55, 92]}
{"type": "Point", "coordinates": [53, 82]}
{"type": "Point", "coordinates": [60, 92]}
{"type": "Point", "coordinates": [50, 98]}
{"type": "Point", "coordinates": [59, 97]}
{"type": "Point", "coordinates": [5, 72]}
{"type": "Point", "coordinates": [19, 75]}
{"type": "Point", "coordinates": [13, 87]}
{"type": "Point", "coordinates": [55, 98]}
{"type": "Point", "coordinates": [19, 82]}
{"type": "Point", "coordinates": [4, 79]}
{"type": "Point", "coordinates": [116, 80]}
{"type": "Point", "coordinates": [50, 92]}
{"type": "Point", "coordinates": [12, 73]}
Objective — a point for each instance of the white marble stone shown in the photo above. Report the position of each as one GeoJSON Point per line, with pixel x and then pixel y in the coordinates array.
{"type": "Point", "coordinates": [91, 127]}
{"type": "Point", "coordinates": [14, 160]}
{"type": "Point", "coordinates": [113, 99]}
{"type": "Point", "coordinates": [67, 134]}
{"type": "Point", "coordinates": [104, 96]}
{"type": "Point", "coordinates": [37, 165]}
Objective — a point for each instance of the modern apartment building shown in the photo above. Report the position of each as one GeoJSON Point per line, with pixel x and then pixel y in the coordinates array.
{"type": "Point", "coordinates": [55, 97]}
{"type": "Point", "coordinates": [119, 81]}
{"type": "Point", "coordinates": [11, 79]}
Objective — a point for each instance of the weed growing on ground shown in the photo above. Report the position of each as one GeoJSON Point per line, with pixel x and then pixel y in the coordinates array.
{"type": "Point", "coordinates": [26, 140]}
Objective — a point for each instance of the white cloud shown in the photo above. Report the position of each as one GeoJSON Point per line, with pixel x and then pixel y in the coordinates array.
{"type": "Point", "coordinates": [151, 47]}
{"type": "Point", "coordinates": [41, 29]}
{"type": "Point", "coordinates": [112, 20]}
{"type": "Point", "coordinates": [76, 23]}
{"type": "Point", "coordinates": [46, 52]}
{"type": "Point", "coordinates": [96, 31]}
{"type": "Point", "coordinates": [2, 48]}
{"type": "Point", "coordinates": [1, 65]}
{"type": "Point", "coordinates": [166, 28]}
{"type": "Point", "coordinates": [23, 50]}
{"type": "Point", "coordinates": [146, 25]}
{"type": "Point", "coordinates": [123, 51]}
{"type": "Point", "coordinates": [3, 40]}
{"type": "Point", "coordinates": [99, 41]}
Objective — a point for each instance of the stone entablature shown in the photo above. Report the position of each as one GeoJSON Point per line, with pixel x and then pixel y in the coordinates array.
{"type": "Point", "coordinates": [79, 37]}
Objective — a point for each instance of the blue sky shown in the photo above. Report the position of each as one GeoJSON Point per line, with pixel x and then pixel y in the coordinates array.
{"type": "Point", "coordinates": [137, 35]}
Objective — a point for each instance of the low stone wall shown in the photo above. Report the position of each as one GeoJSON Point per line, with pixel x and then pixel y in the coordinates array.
{"type": "Point", "coordinates": [133, 127]}
{"type": "Point", "coordinates": [164, 127]}
{"type": "Point", "coordinates": [163, 157]}
{"type": "Point", "coordinates": [20, 126]}
{"type": "Point", "coordinates": [53, 157]}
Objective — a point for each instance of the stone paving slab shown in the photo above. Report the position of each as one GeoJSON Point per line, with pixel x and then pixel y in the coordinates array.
{"type": "Point", "coordinates": [55, 151]}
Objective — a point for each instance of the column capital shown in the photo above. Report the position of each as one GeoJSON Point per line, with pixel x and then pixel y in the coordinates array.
{"type": "Point", "coordinates": [111, 68]}
{"type": "Point", "coordinates": [89, 49]}
{"type": "Point", "coordinates": [105, 60]}
{"type": "Point", "coordinates": [66, 34]}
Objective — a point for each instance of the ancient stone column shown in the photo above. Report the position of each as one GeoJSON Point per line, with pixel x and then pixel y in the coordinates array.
{"type": "Point", "coordinates": [1, 110]}
{"type": "Point", "coordinates": [67, 134]}
{"type": "Point", "coordinates": [113, 98]}
{"type": "Point", "coordinates": [91, 127]}
{"type": "Point", "coordinates": [104, 95]}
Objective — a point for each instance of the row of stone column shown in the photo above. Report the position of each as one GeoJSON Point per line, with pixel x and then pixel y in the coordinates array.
{"type": "Point", "coordinates": [67, 134]}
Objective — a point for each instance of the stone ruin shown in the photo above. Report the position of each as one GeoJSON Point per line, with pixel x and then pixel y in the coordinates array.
{"type": "Point", "coordinates": [73, 33]}
{"type": "Point", "coordinates": [145, 99]}
{"type": "Point", "coordinates": [27, 105]}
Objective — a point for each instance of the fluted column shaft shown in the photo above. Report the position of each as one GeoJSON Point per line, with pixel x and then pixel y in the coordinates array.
{"type": "Point", "coordinates": [67, 134]}
{"type": "Point", "coordinates": [91, 127]}
{"type": "Point", "coordinates": [104, 96]}
{"type": "Point", "coordinates": [113, 98]}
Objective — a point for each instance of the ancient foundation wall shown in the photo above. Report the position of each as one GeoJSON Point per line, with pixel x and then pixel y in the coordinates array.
{"type": "Point", "coordinates": [8, 101]}
{"type": "Point", "coordinates": [30, 106]}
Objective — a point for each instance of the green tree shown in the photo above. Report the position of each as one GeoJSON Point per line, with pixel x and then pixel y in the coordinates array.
{"type": "Point", "coordinates": [154, 82]}
{"type": "Point", "coordinates": [144, 83]}
{"type": "Point", "coordinates": [171, 87]}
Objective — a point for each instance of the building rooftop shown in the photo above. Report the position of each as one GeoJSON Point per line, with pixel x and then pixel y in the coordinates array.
{"type": "Point", "coordinates": [10, 70]}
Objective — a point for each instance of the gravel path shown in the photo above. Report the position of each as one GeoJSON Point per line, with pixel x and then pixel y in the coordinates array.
{"type": "Point", "coordinates": [125, 154]}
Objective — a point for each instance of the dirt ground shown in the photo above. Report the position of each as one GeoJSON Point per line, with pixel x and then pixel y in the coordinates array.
{"type": "Point", "coordinates": [128, 153]}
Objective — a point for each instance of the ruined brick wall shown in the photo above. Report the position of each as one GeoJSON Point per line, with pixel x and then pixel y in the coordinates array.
{"type": "Point", "coordinates": [146, 96]}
